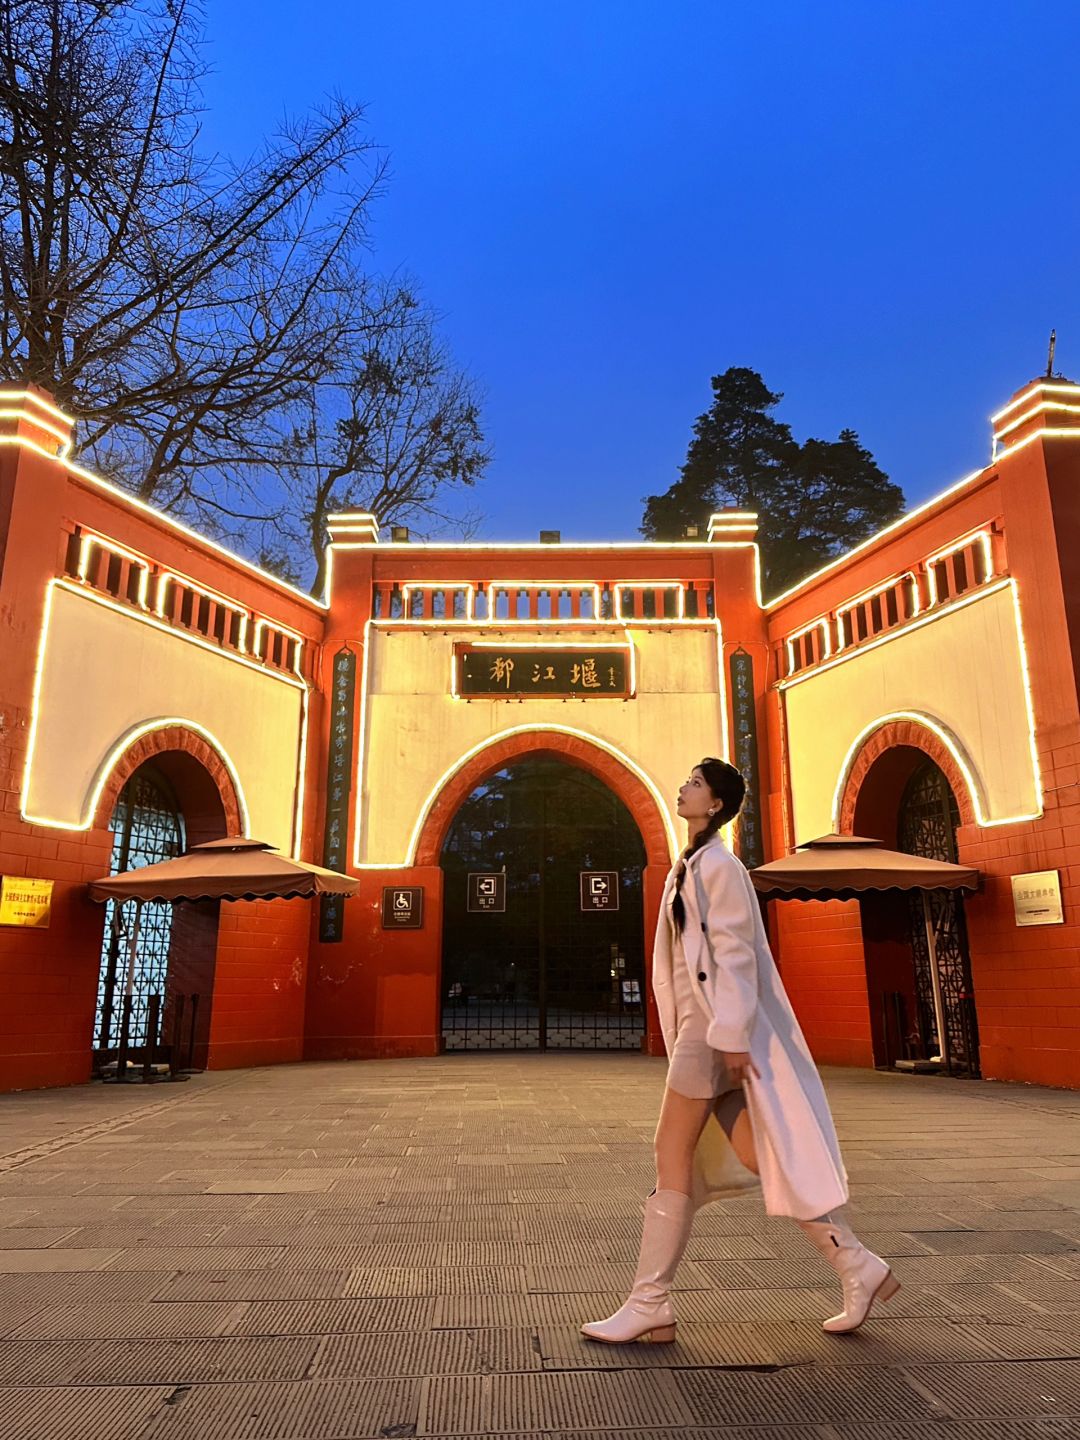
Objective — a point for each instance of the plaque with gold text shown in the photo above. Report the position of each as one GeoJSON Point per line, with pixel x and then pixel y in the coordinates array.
{"type": "Point", "coordinates": [573, 672]}
{"type": "Point", "coordinates": [25, 902]}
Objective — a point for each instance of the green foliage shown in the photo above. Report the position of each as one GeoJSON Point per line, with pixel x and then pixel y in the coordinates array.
{"type": "Point", "coordinates": [814, 500]}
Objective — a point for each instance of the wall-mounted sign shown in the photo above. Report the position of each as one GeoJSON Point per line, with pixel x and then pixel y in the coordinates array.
{"type": "Point", "coordinates": [338, 789]}
{"type": "Point", "coordinates": [402, 907]}
{"type": "Point", "coordinates": [599, 889]}
{"type": "Point", "coordinates": [595, 672]}
{"type": "Point", "coordinates": [1037, 898]}
{"type": "Point", "coordinates": [24, 902]}
{"type": "Point", "coordinates": [748, 838]}
{"type": "Point", "coordinates": [487, 892]}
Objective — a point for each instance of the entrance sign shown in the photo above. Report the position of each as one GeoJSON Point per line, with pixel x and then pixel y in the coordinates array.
{"type": "Point", "coordinates": [599, 890]}
{"type": "Point", "coordinates": [1037, 898]}
{"type": "Point", "coordinates": [580, 671]}
{"type": "Point", "coordinates": [744, 723]}
{"type": "Point", "coordinates": [487, 892]}
{"type": "Point", "coordinates": [27, 903]}
{"type": "Point", "coordinates": [338, 790]}
{"type": "Point", "coordinates": [402, 907]}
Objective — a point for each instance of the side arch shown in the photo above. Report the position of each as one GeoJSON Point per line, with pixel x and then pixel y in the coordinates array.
{"type": "Point", "coordinates": [576, 748]}
{"type": "Point", "coordinates": [913, 732]}
{"type": "Point", "coordinates": [207, 765]}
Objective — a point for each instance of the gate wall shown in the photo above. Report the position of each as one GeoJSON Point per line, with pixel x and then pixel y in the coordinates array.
{"type": "Point", "coordinates": [1016, 523]}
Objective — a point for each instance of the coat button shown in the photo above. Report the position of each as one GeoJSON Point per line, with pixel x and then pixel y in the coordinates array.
{"type": "Point", "coordinates": [701, 975]}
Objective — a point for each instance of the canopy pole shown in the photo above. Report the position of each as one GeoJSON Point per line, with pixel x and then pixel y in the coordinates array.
{"type": "Point", "coordinates": [133, 946]}
{"type": "Point", "coordinates": [935, 981]}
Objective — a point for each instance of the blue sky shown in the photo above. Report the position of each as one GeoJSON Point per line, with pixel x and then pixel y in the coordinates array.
{"type": "Point", "coordinates": [874, 205]}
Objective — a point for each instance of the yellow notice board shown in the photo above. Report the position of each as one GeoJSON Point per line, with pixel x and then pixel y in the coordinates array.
{"type": "Point", "coordinates": [25, 902]}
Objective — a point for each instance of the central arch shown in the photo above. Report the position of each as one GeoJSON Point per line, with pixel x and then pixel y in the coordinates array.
{"type": "Point", "coordinates": [631, 787]}
{"type": "Point", "coordinates": [574, 748]}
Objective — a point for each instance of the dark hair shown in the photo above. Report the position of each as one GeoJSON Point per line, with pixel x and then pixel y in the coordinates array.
{"type": "Point", "coordinates": [727, 786]}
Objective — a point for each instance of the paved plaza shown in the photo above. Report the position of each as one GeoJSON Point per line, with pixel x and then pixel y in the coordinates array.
{"type": "Point", "coordinates": [330, 1252]}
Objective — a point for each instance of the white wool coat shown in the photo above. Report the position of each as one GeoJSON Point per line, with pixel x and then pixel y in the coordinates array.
{"type": "Point", "coordinates": [736, 982]}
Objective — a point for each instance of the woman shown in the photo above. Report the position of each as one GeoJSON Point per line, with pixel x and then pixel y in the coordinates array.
{"type": "Point", "coordinates": [743, 1094]}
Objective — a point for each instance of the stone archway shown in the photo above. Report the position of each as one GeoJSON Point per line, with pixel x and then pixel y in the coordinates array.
{"type": "Point", "coordinates": [593, 758]}
{"type": "Point", "coordinates": [169, 790]}
{"type": "Point", "coordinates": [877, 802]}
{"type": "Point", "coordinates": [892, 751]}
{"type": "Point", "coordinates": [630, 789]}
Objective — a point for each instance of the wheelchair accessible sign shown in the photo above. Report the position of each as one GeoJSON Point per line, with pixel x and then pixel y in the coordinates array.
{"type": "Point", "coordinates": [599, 889]}
{"type": "Point", "coordinates": [402, 907]}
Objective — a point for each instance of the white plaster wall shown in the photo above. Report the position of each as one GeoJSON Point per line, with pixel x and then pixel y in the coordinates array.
{"type": "Point", "coordinates": [963, 670]}
{"type": "Point", "coordinates": [106, 673]}
{"type": "Point", "coordinates": [416, 731]}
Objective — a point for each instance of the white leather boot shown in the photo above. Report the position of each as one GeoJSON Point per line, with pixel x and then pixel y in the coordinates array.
{"type": "Point", "coordinates": [648, 1313]}
{"type": "Point", "coordinates": [864, 1275]}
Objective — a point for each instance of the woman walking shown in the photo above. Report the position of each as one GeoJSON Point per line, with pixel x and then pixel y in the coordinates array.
{"type": "Point", "coordinates": [743, 1095]}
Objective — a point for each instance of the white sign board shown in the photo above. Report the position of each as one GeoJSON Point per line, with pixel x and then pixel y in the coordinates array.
{"type": "Point", "coordinates": [1037, 898]}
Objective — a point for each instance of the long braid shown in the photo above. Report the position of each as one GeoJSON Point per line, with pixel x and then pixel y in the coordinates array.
{"type": "Point", "coordinates": [729, 788]}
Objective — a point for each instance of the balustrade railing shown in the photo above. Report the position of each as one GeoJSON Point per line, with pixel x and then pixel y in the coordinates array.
{"type": "Point", "coordinates": [935, 582]}
{"type": "Point", "coordinates": [179, 602]}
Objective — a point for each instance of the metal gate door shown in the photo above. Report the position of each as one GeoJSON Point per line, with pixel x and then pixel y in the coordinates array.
{"type": "Point", "coordinates": [147, 827]}
{"type": "Point", "coordinates": [543, 973]}
{"type": "Point", "coordinates": [928, 821]}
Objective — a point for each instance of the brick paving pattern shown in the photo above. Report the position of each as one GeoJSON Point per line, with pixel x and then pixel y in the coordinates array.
{"type": "Point", "coordinates": [334, 1252]}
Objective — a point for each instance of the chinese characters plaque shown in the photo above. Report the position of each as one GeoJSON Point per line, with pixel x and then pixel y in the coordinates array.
{"type": "Point", "coordinates": [744, 724]}
{"type": "Point", "coordinates": [338, 790]}
{"type": "Point", "coordinates": [576, 672]}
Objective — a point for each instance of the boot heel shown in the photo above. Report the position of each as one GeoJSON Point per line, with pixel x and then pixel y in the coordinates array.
{"type": "Point", "coordinates": [889, 1286]}
{"type": "Point", "coordinates": [664, 1335]}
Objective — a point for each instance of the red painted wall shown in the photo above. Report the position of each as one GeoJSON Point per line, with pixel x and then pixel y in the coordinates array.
{"type": "Point", "coordinates": [376, 994]}
{"type": "Point", "coordinates": [1026, 981]}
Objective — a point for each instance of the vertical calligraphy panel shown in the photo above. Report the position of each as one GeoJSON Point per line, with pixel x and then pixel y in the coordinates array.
{"type": "Point", "coordinates": [338, 789]}
{"type": "Point", "coordinates": [744, 721]}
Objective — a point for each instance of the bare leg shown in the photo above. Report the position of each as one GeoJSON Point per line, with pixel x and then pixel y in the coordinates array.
{"type": "Point", "coordinates": [734, 1119]}
{"type": "Point", "coordinates": [669, 1213]}
{"type": "Point", "coordinates": [681, 1122]}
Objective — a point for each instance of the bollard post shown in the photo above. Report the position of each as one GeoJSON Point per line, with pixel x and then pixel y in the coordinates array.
{"type": "Point", "coordinates": [125, 1032]}
{"type": "Point", "coordinates": [191, 1038]}
{"type": "Point", "coordinates": [153, 1010]}
{"type": "Point", "coordinates": [177, 1037]}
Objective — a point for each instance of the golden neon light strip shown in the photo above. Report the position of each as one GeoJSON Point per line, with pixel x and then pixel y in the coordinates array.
{"type": "Point", "coordinates": [232, 606]}
{"type": "Point", "coordinates": [821, 624]}
{"type": "Point", "coordinates": [907, 519]}
{"type": "Point", "coordinates": [1058, 405]}
{"type": "Point", "coordinates": [676, 585]}
{"type": "Point", "coordinates": [1053, 432]}
{"type": "Point", "coordinates": [262, 624]}
{"type": "Point", "coordinates": [882, 589]}
{"type": "Point", "coordinates": [441, 783]}
{"type": "Point", "coordinates": [64, 436]}
{"type": "Point", "coordinates": [983, 536]}
{"type": "Point", "coordinates": [160, 517]}
{"type": "Point", "coordinates": [88, 540]}
{"type": "Point", "coordinates": [947, 739]}
{"type": "Point", "coordinates": [495, 588]}
{"type": "Point", "coordinates": [926, 618]}
{"type": "Point", "coordinates": [548, 645]}
{"type": "Point", "coordinates": [1045, 386]}
{"type": "Point", "coordinates": [156, 725]}
{"type": "Point", "coordinates": [448, 587]}
{"type": "Point", "coordinates": [361, 744]}
{"type": "Point", "coordinates": [30, 398]}
{"type": "Point", "coordinates": [301, 775]}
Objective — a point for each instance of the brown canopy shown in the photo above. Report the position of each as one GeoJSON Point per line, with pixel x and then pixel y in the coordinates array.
{"type": "Point", "coordinates": [842, 867]}
{"type": "Point", "coordinates": [232, 869]}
